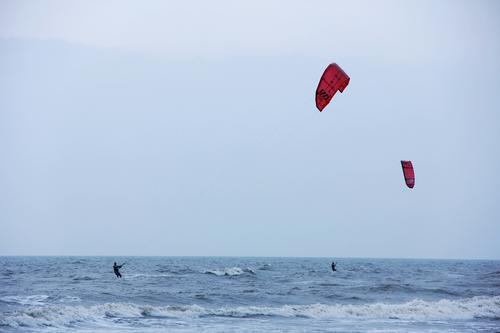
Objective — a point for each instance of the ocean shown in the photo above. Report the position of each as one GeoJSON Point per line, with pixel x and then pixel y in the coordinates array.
{"type": "Point", "coordinates": [233, 294]}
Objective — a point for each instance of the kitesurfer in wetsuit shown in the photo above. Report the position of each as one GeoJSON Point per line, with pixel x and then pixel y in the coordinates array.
{"type": "Point", "coordinates": [333, 266]}
{"type": "Point", "coordinates": [116, 269]}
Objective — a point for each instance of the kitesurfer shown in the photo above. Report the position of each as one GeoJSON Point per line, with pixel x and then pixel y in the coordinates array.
{"type": "Point", "coordinates": [333, 266]}
{"type": "Point", "coordinates": [116, 269]}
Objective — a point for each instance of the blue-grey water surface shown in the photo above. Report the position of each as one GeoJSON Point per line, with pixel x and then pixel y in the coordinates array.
{"type": "Point", "coordinates": [230, 294]}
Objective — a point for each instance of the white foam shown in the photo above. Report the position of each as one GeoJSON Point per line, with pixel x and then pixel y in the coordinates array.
{"type": "Point", "coordinates": [230, 271]}
{"type": "Point", "coordinates": [146, 276]}
{"type": "Point", "coordinates": [70, 299]}
{"type": "Point", "coordinates": [416, 310]}
{"type": "Point", "coordinates": [25, 300]}
{"type": "Point", "coordinates": [477, 307]}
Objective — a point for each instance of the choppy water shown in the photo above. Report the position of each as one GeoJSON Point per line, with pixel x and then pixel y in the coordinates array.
{"type": "Point", "coordinates": [208, 294]}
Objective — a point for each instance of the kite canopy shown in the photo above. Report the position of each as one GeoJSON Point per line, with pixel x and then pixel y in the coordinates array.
{"type": "Point", "coordinates": [408, 173]}
{"type": "Point", "coordinates": [333, 79]}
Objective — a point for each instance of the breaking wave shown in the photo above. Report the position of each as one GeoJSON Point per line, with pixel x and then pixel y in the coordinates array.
{"type": "Point", "coordinates": [37, 300]}
{"type": "Point", "coordinates": [231, 271]}
{"type": "Point", "coordinates": [25, 300]}
{"type": "Point", "coordinates": [416, 310]}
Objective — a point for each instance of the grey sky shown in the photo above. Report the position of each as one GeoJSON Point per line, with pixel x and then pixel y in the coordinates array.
{"type": "Point", "coordinates": [189, 128]}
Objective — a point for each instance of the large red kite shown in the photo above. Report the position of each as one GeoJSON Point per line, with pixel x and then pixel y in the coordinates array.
{"type": "Point", "coordinates": [333, 79]}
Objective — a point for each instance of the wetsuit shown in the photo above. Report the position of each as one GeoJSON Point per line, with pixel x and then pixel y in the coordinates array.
{"type": "Point", "coordinates": [333, 267]}
{"type": "Point", "coordinates": [116, 269]}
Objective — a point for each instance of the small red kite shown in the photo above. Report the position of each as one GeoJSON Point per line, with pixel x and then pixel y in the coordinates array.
{"type": "Point", "coordinates": [408, 173]}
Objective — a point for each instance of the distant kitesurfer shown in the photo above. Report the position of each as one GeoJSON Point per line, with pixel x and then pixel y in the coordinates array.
{"type": "Point", "coordinates": [116, 269]}
{"type": "Point", "coordinates": [333, 266]}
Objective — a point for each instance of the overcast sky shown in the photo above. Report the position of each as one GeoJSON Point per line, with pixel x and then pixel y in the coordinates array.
{"type": "Point", "coordinates": [189, 128]}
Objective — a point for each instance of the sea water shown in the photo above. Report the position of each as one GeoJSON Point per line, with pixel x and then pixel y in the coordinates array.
{"type": "Point", "coordinates": [231, 294]}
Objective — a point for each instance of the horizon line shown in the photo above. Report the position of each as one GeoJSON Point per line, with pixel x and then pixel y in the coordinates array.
{"type": "Point", "coordinates": [247, 256]}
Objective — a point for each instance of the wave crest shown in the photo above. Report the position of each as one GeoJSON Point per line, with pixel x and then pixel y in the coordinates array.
{"type": "Point", "coordinates": [418, 310]}
{"type": "Point", "coordinates": [230, 271]}
{"type": "Point", "coordinates": [25, 300]}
